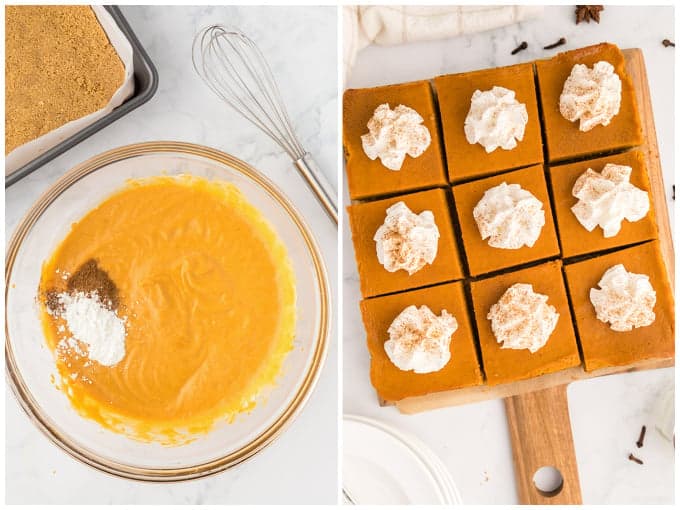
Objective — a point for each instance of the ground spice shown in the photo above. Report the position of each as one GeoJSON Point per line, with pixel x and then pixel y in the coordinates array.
{"type": "Point", "coordinates": [52, 301]}
{"type": "Point", "coordinates": [90, 278]}
{"type": "Point", "coordinates": [88, 307]}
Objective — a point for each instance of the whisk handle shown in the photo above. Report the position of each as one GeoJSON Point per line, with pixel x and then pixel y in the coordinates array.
{"type": "Point", "coordinates": [319, 185]}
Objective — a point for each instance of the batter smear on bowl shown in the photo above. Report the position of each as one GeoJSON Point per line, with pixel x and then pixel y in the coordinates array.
{"type": "Point", "coordinates": [170, 308]}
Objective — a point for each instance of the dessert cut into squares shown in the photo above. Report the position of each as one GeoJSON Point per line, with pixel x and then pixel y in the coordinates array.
{"type": "Point", "coordinates": [392, 383]}
{"type": "Point", "coordinates": [575, 239]}
{"type": "Point", "coordinates": [366, 218]}
{"type": "Point", "coordinates": [483, 258]}
{"type": "Point", "coordinates": [505, 365]}
{"type": "Point", "coordinates": [467, 160]}
{"type": "Point", "coordinates": [367, 178]}
{"type": "Point", "coordinates": [603, 346]}
{"type": "Point", "coordinates": [564, 138]}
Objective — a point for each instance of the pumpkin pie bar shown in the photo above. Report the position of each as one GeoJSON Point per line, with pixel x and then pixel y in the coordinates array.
{"type": "Point", "coordinates": [392, 383]}
{"type": "Point", "coordinates": [366, 177]}
{"type": "Point", "coordinates": [503, 364]}
{"type": "Point", "coordinates": [455, 93]}
{"type": "Point", "coordinates": [627, 337]}
{"type": "Point", "coordinates": [481, 256]}
{"type": "Point", "coordinates": [366, 218]}
{"type": "Point", "coordinates": [564, 138]}
{"type": "Point", "coordinates": [607, 205]}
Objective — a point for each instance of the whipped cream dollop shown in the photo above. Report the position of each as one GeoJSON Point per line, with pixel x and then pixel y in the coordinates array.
{"type": "Point", "coordinates": [522, 318]}
{"type": "Point", "coordinates": [406, 240]}
{"type": "Point", "coordinates": [509, 216]}
{"type": "Point", "coordinates": [591, 95]}
{"type": "Point", "coordinates": [392, 134]}
{"type": "Point", "coordinates": [605, 199]}
{"type": "Point", "coordinates": [420, 340]}
{"type": "Point", "coordinates": [624, 300]}
{"type": "Point", "coordinates": [496, 119]}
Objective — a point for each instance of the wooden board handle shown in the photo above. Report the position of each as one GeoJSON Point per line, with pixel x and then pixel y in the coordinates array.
{"type": "Point", "coordinates": [540, 433]}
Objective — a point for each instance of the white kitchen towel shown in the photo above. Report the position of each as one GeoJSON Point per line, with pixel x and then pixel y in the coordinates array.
{"type": "Point", "coordinates": [388, 25]}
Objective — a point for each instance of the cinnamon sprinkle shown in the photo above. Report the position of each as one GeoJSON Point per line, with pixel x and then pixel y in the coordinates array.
{"type": "Point", "coordinates": [52, 301]}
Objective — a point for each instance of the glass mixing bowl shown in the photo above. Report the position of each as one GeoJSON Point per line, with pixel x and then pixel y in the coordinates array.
{"type": "Point", "coordinates": [30, 363]}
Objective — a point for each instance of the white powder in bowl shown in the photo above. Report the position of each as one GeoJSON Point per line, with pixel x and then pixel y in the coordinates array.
{"type": "Point", "coordinates": [94, 325]}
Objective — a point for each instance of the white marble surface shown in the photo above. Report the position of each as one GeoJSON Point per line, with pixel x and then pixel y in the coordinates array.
{"type": "Point", "coordinates": [607, 413]}
{"type": "Point", "coordinates": [300, 466]}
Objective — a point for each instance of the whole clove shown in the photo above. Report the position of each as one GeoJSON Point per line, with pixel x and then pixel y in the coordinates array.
{"type": "Point", "coordinates": [519, 48]}
{"type": "Point", "coordinates": [635, 459]}
{"type": "Point", "coordinates": [667, 43]}
{"type": "Point", "coordinates": [641, 440]}
{"type": "Point", "coordinates": [559, 42]}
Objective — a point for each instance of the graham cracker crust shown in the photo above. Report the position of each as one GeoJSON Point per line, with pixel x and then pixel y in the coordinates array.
{"type": "Point", "coordinates": [59, 66]}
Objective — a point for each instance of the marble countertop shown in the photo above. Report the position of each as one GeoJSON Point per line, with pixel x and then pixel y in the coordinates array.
{"type": "Point", "coordinates": [300, 466]}
{"type": "Point", "coordinates": [606, 413]}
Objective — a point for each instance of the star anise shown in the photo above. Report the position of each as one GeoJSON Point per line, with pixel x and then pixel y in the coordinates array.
{"type": "Point", "coordinates": [588, 12]}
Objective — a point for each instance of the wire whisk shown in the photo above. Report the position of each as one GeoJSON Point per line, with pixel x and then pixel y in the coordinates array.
{"type": "Point", "coordinates": [235, 69]}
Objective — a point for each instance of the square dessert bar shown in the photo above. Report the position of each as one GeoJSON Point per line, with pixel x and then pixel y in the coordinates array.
{"type": "Point", "coordinates": [368, 178]}
{"type": "Point", "coordinates": [483, 258]}
{"type": "Point", "coordinates": [394, 384]}
{"type": "Point", "coordinates": [509, 365]}
{"type": "Point", "coordinates": [574, 238]}
{"type": "Point", "coordinates": [365, 219]}
{"type": "Point", "coordinates": [604, 347]}
{"type": "Point", "coordinates": [563, 138]}
{"type": "Point", "coordinates": [454, 92]}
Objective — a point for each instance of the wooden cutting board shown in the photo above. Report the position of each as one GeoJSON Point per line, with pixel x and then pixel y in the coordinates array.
{"type": "Point", "coordinates": [537, 409]}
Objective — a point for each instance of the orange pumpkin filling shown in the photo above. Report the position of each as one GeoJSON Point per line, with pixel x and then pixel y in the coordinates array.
{"type": "Point", "coordinates": [208, 295]}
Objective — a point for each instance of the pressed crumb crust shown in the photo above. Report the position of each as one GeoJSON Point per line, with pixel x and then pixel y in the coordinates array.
{"type": "Point", "coordinates": [59, 66]}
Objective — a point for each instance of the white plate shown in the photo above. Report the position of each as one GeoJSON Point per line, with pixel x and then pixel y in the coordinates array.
{"type": "Point", "coordinates": [384, 466]}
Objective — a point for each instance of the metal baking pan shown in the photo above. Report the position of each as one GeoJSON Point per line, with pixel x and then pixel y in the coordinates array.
{"type": "Point", "coordinates": [146, 83]}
